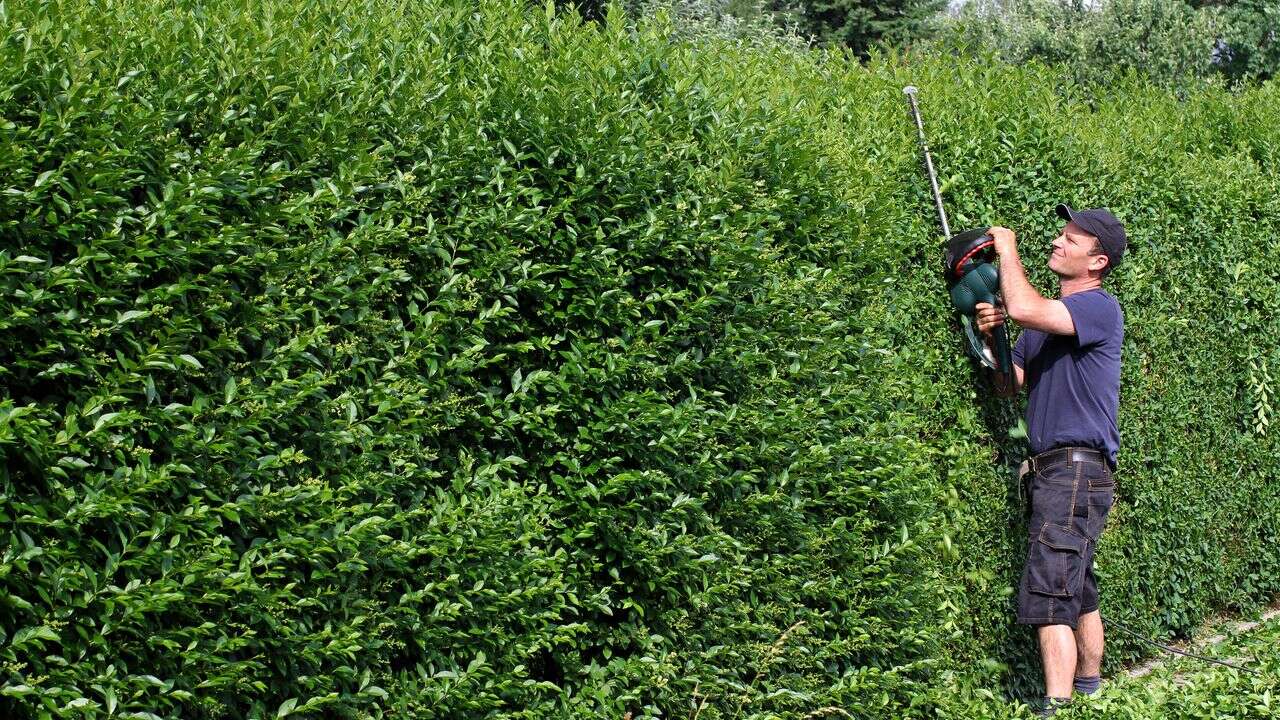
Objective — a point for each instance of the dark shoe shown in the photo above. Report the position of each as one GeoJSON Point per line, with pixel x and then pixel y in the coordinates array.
{"type": "Point", "coordinates": [1051, 705]}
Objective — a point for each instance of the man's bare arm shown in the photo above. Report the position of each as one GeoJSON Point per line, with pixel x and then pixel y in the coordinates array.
{"type": "Point", "coordinates": [1027, 307]}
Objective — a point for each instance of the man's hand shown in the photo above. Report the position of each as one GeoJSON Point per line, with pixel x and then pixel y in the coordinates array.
{"type": "Point", "coordinates": [988, 318]}
{"type": "Point", "coordinates": [1004, 238]}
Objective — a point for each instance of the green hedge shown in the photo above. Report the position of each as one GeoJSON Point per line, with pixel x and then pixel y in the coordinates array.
{"type": "Point", "coordinates": [434, 359]}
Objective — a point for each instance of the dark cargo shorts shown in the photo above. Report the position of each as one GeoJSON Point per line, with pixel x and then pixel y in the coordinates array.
{"type": "Point", "coordinates": [1069, 506]}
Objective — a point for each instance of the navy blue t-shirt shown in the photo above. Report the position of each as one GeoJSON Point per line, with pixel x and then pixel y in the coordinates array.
{"type": "Point", "coordinates": [1073, 381]}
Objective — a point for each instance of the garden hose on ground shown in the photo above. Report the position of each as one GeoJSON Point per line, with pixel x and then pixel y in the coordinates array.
{"type": "Point", "coordinates": [1132, 633]}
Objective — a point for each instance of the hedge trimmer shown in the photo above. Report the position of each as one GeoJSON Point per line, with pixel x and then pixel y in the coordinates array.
{"type": "Point", "coordinates": [972, 276]}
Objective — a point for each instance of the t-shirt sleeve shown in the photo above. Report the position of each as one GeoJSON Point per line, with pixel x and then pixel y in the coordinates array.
{"type": "Point", "coordinates": [1096, 316]}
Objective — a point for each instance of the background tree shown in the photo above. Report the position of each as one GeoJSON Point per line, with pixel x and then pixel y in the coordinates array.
{"type": "Point", "coordinates": [1169, 41]}
{"type": "Point", "coordinates": [1172, 42]}
{"type": "Point", "coordinates": [860, 24]}
{"type": "Point", "coordinates": [589, 9]}
{"type": "Point", "coordinates": [752, 21]}
{"type": "Point", "coordinates": [857, 24]}
{"type": "Point", "coordinates": [1248, 39]}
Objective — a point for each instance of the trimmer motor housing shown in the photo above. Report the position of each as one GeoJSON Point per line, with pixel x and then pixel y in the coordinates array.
{"type": "Point", "coordinates": [972, 278]}
{"type": "Point", "coordinates": [967, 249]}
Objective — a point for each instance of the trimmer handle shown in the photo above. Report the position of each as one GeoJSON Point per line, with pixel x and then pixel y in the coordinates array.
{"type": "Point", "coordinates": [980, 283]}
{"type": "Point", "coordinates": [1004, 354]}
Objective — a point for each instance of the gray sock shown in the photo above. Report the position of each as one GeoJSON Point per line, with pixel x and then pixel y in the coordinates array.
{"type": "Point", "coordinates": [1087, 685]}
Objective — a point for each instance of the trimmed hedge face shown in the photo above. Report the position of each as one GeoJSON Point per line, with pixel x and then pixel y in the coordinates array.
{"type": "Point", "coordinates": [436, 360]}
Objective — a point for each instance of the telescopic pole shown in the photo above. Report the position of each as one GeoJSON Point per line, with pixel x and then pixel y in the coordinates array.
{"type": "Point", "coordinates": [911, 91]}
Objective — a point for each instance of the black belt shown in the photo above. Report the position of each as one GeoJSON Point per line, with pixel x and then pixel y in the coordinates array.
{"type": "Point", "coordinates": [1066, 454]}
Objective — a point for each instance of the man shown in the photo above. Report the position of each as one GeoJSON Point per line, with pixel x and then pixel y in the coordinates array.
{"type": "Point", "coordinates": [1068, 357]}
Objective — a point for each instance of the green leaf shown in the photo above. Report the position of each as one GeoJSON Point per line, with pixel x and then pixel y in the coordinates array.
{"type": "Point", "coordinates": [16, 690]}
{"type": "Point", "coordinates": [127, 78]}
{"type": "Point", "coordinates": [29, 634]}
{"type": "Point", "coordinates": [102, 420]}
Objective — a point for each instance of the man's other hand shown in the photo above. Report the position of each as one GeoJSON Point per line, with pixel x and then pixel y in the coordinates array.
{"type": "Point", "coordinates": [988, 317]}
{"type": "Point", "coordinates": [1005, 239]}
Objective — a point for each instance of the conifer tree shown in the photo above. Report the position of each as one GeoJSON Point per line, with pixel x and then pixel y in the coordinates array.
{"type": "Point", "coordinates": [860, 24]}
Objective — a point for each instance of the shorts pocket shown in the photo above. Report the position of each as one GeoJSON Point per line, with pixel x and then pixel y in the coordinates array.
{"type": "Point", "coordinates": [1055, 561]}
{"type": "Point", "coordinates": [1098, 474]}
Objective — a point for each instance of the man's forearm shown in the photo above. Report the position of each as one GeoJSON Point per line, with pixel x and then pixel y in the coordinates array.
{"type": "Point", "coordinates": [1019, 296]}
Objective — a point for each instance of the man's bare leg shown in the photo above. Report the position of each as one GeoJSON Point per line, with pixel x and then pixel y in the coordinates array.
{"type": "Point", "coordinates": [1058, 652]}
{"type": "Point", "coordinates": [1089, 647]}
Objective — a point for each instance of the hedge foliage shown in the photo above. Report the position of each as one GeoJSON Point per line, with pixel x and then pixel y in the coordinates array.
{"type": "Point", "coordinates": [438, 359]}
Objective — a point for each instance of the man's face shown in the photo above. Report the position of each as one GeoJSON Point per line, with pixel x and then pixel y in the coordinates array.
{"type": "Point", "coordinates": [1070, 257]}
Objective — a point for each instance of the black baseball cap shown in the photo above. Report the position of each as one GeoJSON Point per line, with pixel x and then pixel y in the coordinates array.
{"type": "Point", "coordinates": [1100, 223]}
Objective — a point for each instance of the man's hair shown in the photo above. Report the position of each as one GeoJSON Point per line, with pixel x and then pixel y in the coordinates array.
{"type": "Point", "coordinates": [1097, 250]}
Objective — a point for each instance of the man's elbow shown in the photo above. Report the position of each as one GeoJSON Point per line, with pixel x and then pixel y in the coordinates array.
{"type": "Point", "coordinates": [1016, 312]}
